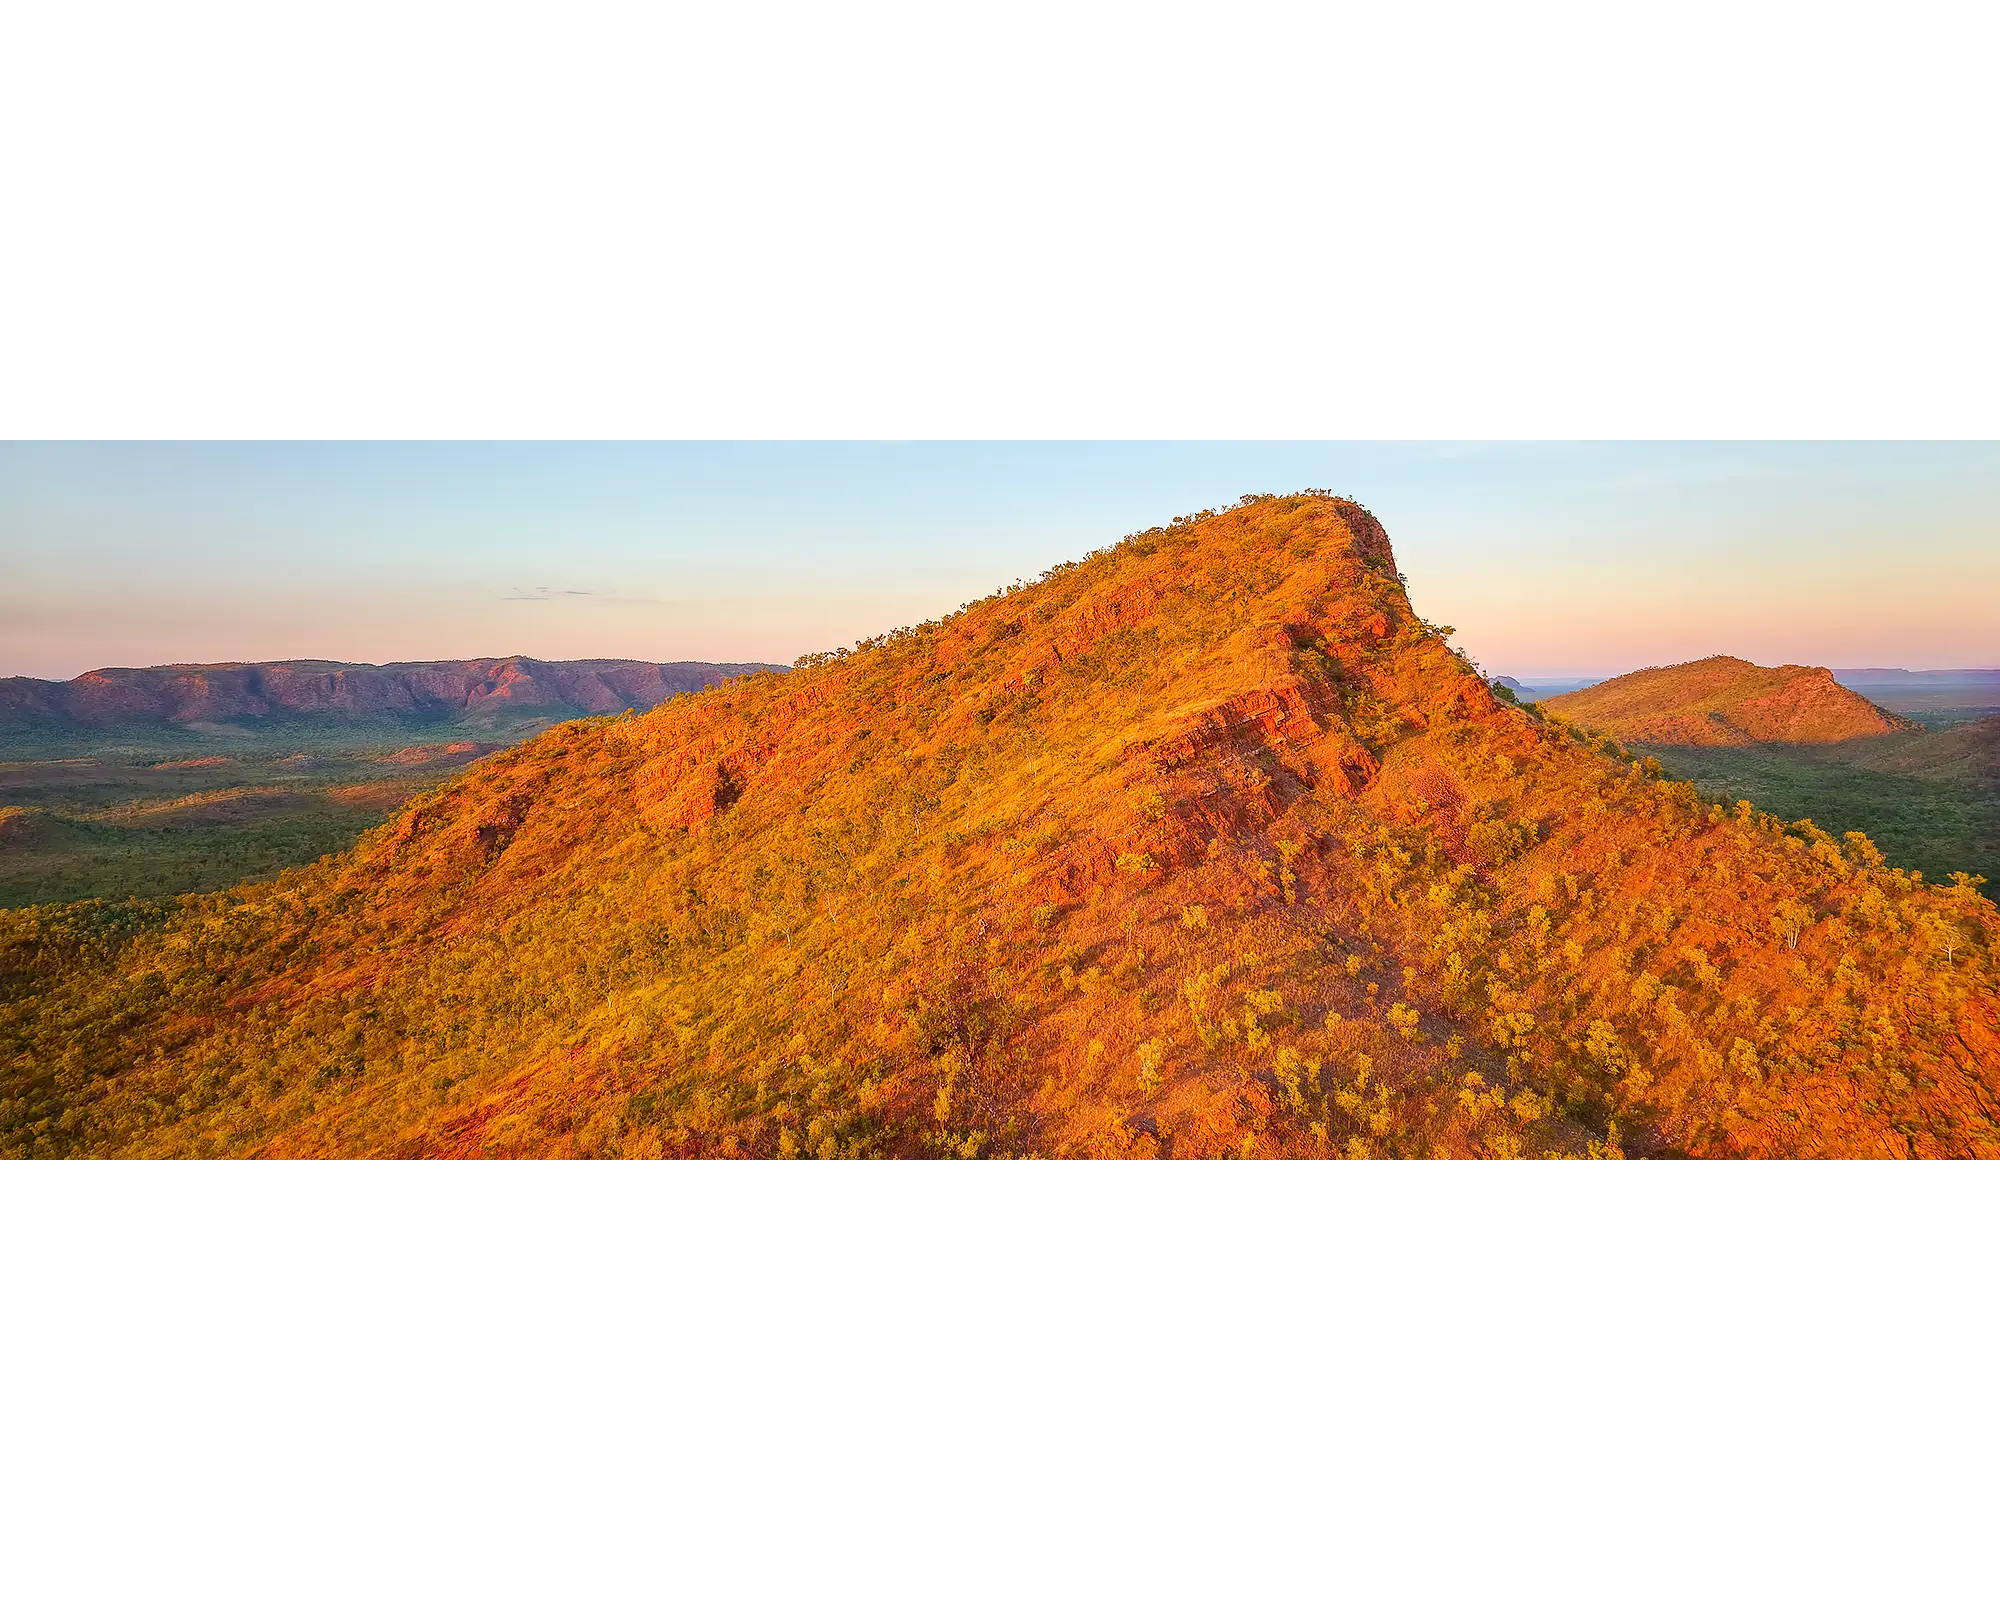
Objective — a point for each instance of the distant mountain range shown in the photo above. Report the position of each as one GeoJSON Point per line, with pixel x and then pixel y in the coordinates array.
{"type": "Point", "coordinates": [1901, 678]}
{"type": "Point", "coordinates": [1933, 695]}
{"type": "Point", "coordinates": [242, 696]}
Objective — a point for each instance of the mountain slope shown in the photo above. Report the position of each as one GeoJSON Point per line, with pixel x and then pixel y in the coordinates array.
{"type": "Point", "coordinates": [1970, 751]}
{"type": "Point", "coordinates": [449, 691]}
{"type": "Point", "coordinates": [1204, 845]}
{"type": "Point", "coordinates": [1725, 701]}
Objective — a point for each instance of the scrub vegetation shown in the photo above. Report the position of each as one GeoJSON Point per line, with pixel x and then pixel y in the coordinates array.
{"type": "Point", "coordinates": [1204, 845]}
{"type": "Point", "coordinates": [1926, 810]}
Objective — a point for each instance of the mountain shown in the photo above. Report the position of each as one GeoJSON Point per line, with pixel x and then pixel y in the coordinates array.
{"type": "Point", "coordinates": [1725, 701]}
{"type": "Point", "coordinates": [1203, 845]}
{"type": "Point", "coordinates": [470, 693]}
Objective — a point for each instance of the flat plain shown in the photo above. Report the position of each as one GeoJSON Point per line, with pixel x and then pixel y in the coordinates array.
{"type": "Point", "coordinates": [133, 821]}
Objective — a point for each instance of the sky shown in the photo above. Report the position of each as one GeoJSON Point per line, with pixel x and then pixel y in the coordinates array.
{"type": "Point", "coordinates": [1551, 560]}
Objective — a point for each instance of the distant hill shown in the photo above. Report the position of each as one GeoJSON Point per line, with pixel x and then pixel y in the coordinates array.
{"type": "Point", "coordinates": [1205, 844]}
{"type": "Point", "coordinates": [1726, 701]}
{"type": "Point", "coordinates": [245, 695]}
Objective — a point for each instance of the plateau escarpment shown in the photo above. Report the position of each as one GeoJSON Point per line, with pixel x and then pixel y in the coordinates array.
{"type": "Point", "coordinates": [469, 692]}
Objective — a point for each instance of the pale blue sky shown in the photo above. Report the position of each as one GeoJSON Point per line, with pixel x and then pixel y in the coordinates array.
{"type": "Point", "coordinates": [1550, 559]}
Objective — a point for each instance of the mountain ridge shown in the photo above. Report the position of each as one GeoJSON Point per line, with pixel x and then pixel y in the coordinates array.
{"type": "Point", "coordinates": [1203, 845]}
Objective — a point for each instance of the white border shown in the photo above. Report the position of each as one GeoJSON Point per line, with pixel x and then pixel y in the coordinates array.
{"type": "Point", "coordinates": [897, 221]}
{"type": "Point", "coordinates": [1080, 220]}
{"type": "Point", "coordinates": [913, 1380]}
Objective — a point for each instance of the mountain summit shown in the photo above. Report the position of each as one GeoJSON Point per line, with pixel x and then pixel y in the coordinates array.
{"type": "Point", "coordinates": [1203, 845]}
{"type": "Point", "coordinates": [1726, 701]}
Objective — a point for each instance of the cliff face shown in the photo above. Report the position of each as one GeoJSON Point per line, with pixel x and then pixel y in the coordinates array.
{"type": "Point", "coordinates": [128, 697]}
{"type": "Point", "coordinates": [1204, 845]}
{"type": "Point", "coordinates": [1726, 701]}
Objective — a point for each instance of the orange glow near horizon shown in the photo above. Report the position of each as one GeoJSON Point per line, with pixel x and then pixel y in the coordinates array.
{"type": "Point", "coordinates": [1549, 560]}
